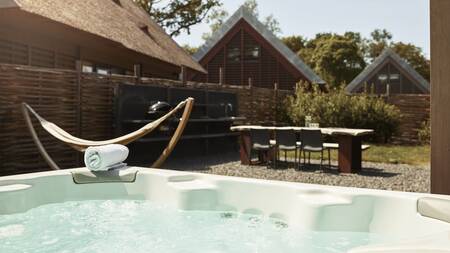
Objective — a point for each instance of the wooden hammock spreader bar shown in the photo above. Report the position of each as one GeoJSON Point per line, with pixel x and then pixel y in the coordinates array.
{"type": "Point", "coordinates": [82, 144]}
{"type": "Point", "coordinates": [176, 136]}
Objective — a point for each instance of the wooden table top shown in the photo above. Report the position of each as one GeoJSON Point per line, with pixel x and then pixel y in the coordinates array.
{"type": "Point", "coordinates": [325, 130]}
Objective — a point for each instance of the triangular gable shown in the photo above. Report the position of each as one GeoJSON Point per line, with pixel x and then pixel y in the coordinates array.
{"type": "Point", "coordinates": [388, 54]}
{"type": "Point", "coordinates": [243, 13]}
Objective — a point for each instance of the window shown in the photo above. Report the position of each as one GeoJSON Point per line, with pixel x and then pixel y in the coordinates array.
{"type": "Point", "coordinates": [382, 77]}
{"type": "Point", "coordinates": [252, 52]}
{"type": "Point", "coordinates": [394, 76]}
{"type": "Point", "coordinates": [102, 71]}
{"type": "Point", "coordinates": [234, 54]}
{"type": "Point", "coordinates": [87, 68]}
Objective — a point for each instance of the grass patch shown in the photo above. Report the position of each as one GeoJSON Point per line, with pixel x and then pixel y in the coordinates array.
{"type": "Point", "coordinates": [414, 155]}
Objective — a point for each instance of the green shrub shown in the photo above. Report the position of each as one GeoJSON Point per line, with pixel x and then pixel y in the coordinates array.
{"type": "Point", "coordinates": [337, 109]}
{"type": "Point", "coordinates": [424, 133]}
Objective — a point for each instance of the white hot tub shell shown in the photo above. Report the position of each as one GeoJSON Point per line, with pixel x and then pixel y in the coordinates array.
{"type": "Point", "coordinates": [421, 220]}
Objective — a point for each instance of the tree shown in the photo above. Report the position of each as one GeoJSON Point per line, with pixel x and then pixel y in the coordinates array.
{"type": "Point", "coordinates": [189, 49]}
{"type": "Point", "coordinates": [414, 56]}
{"type": "Point", "coordinates": [270, 21]}
{"type": "Point", "coordinates": [218, 17]}
{"type": "Point", "coordinates": [272, 24]}
{"type": "Point", "coordinates": [215, 21]}
{"type": "Point", "coordinates": [338, 59]}
{"type": "Point", "coordinates": [381, 39]}
{"type": "Point", "coordinates": [176, 16]}
{"type": "Point", "coordinates": [252, 6]}
{"type": "Point", "coordinates": [294, 42]}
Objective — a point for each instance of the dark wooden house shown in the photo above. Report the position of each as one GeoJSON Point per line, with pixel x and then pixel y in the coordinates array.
{"type": "Point", "coordinates": [107, 36]}
{"type": "Point", "coordinates": [244, 51]}
{"type": "Point", "coordinates": [389, 73]}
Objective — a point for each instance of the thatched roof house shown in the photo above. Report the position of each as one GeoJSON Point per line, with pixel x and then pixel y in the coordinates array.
{"type": "Point", "coordinates": [108, 33]}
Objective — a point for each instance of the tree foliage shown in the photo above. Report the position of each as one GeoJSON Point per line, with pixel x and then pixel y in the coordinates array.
{"type": "Point", "coordinates": [176, 16]}
{"type": "Point", "coordinates": [189, 49]}
{"type": "Point", "coordinates": [294, 42]}
{"type": "Point", "coordinates": [215, 21]}
{"type": "Point", "coordinates": [337, 109]}
{"type": "Point", "coordinates": [336, 58]}
{"type": "Point", "coordinates": [414, 56]}
{"type": "Point", "coordinates": [219, 16]}
{"type": "Point", "coordinates": [381, 39]}
{"type": "Point", "coordinates": [339, 58]}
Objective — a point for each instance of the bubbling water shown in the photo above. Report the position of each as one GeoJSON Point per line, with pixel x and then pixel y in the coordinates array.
{"type": "Point", "coordinates": [141, 226]}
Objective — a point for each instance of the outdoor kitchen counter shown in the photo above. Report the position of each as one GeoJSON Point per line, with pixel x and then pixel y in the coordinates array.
{"type": "Point", "coordinates": [349, 153]}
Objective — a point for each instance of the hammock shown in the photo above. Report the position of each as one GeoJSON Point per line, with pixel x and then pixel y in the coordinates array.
{"type": "Point", "coordinates": [82, 144]}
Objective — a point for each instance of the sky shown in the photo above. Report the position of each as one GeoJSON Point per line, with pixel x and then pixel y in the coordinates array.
{"type": "Point", "coordinates": [407, 20]}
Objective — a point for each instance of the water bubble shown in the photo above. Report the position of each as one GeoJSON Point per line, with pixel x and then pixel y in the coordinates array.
{"type": "Point", "coordinates": [227, 215]}
{"type": "Point", "coordinates": [280, 224]}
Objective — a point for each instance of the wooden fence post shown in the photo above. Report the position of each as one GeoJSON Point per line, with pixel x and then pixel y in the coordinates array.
{"type": "Point", "coordinates": [275, 95]}
{"type": "Point", "coordinates": [183, 75]}
{"type": "Point", "coordinates": [440, 92]}
{"type": "Point", "coordinates": [137, 68]}
{"type": "Point", "coordinates": [221, 76]}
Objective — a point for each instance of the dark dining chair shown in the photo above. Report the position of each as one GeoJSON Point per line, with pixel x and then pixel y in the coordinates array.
{"type": "Point", "coordinates": [260, 142]}
{"type": "Point", "coordinates": [285, 140]}
{"type": "Point", "coordinates": [311, 141]}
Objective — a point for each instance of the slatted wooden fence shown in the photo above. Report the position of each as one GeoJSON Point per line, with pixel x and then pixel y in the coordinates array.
{"type": "Point", "coordinates": [415, 110]}
{"type": "Point", "coordinates": [83, 104]}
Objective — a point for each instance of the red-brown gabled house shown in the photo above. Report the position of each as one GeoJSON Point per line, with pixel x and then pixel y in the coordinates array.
{"type": "Point", "coordinates": [244, 51]}
{"type": "Point", "coordinates": [108, 36]}
{"type": "Point", "coordinates": [389, 74]}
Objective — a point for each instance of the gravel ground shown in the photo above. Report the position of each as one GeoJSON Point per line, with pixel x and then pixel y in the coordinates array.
{"type": "Point", "coordinates": [397, 177]}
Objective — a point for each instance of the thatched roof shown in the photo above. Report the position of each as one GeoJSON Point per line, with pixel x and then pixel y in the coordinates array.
{"type": "Point", "coordinates": [121, 21]}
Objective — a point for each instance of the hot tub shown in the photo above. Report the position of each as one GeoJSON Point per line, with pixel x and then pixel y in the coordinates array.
{"type": "Point", "coordinates": [151, 210]}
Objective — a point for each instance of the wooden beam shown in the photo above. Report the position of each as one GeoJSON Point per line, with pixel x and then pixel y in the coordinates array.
{"type": "Point", "coordinates": [183, 74]}
{"type": "Point", "coordinates": [220, 75]}
{"type": "Point", "coordinates": [137, 70]}
{"type": "Point", "coordinates": [440, 93]}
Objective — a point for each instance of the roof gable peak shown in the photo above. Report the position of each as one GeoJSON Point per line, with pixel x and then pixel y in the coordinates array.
{"type": "Point", "coordinates": [244, 14]}
{"type": "Point", "coordinates": [388, 54]}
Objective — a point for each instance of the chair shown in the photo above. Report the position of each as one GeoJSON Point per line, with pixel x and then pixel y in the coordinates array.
{"type": "Point", "coordinates": [311, 141]}
{"type": "Point", "coordinates": [285, 140]}
{"type": "Point", "coordinates": [260, 141]}
{"type": "Point", "coordinates": [82, 144]}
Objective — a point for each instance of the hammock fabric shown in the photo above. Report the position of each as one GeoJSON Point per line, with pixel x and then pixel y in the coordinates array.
{"type": "Point", "coordinates": [82, 144]}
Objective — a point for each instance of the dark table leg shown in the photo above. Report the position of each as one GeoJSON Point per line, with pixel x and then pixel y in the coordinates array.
{"type": "Point", "coordinates": [350, 154]}
{"type": "Point", "coordinates": [245, 151]}
{"type": "Point", "coordinates": [244, 147]}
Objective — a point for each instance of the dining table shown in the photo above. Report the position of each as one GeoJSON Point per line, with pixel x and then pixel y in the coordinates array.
{"type": "Point", "coordinates": [349, 143]}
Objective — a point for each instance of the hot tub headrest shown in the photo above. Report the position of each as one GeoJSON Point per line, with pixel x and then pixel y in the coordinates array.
{"type": "Point", "coordinates": [436, 208]}
{"type": "Point", "coordinates": [111, 176]}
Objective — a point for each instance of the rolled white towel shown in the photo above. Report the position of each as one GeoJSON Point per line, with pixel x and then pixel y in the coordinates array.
{"type": "Point", "coordinates": [102, 158]}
